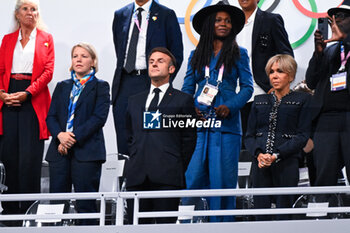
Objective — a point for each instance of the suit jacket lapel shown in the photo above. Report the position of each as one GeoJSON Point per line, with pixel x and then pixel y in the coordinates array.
{"type": "Point", "coordinates": [9, 53]}
{"type": "Point", "coordinates": [127, 15]}
{"type": "Point", "coordinates": [66, 90]}
{"type": "Point", "coordinates": [256, 28]}
{"type": "Point", "coordinates": [167, 97]}
{"type": "Point", "coordinates": [152, 24]}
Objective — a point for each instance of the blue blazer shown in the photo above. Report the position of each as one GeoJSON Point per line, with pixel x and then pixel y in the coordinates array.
{"type": "Point", "coordinates": [90, 116]}
{"type": "Point", "coordinates": [227, 90]}
{"type": "Point", "coordinates": [163, 31]}
{"type": "Point", "coordinates": [293, 124]}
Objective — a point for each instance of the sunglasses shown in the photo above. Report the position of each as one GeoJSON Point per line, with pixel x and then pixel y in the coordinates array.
{"type": "Point", "coordinates": [341, 15]}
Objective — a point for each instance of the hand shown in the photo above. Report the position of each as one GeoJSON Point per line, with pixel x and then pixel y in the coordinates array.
{"type": "Point", "coordinates": [309, 146]}
{"type": "Point", "coordinates": [67, 139]}
{"type": "Point", "coordinates": [337, 34]}
{"type": "Point", "coordinates": [9, 100]}
{"type": "Point", "coordinates": [222, 111]}
{"type": "Point", "coordinates": [265, 160]}
{"type": "Point", "coordinates": [62, 150]}
{"type": "Point", "coordinates": [199, 114]}
{"type": "Point", "coordinates": [319, 42]}
{"type": "Point", "coordinates": [20, 96]}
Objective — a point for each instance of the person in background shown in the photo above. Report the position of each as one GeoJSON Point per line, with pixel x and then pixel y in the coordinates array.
{"type": "Point", "coordinates": [137, 29]}
{"type": "Point", "coordinates": [279, 127]}
{"type": "Point", "coordinates": [26, 68]}
{"type": "Point", "coordinates": [328, 74]}
{"type": "Point", "coordinates": [264, 36]}
{"type": "Point", "coordinates": [217, 64]}
{"type": "Point", "coordinates": [307, 153]}
{"type": "Point", "coordinates": [78, 111]}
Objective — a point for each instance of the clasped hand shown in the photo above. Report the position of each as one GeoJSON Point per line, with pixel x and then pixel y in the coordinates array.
{"type": "Point", "coordinates": [221, 111]}
{"type": "Point", "coordinates": [13, 99]}
{"type": "Point", "coordinates": [265, 160]}
{"type": "Point", "coordinates": [67, 141]}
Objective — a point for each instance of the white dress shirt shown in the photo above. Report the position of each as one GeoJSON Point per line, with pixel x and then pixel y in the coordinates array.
{"type": "Point", "coordinates": [141, 60]}
{"type": "Point", "coordinates": [23, 58]}
{"type": "Point", "coordinates": [244, 39]}
{"type": "Point", "coordinates": [163, 88]}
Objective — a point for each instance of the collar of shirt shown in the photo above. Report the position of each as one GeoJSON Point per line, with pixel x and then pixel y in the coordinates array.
{"type": "Point", "coordinates": [32, 35]}
{"type": "Point", "coordinates": [145, 7]}
{"type": "Point", "coordinates": [251, 19]}
{"type": "Point", "coordinates": [23, 58]}
{"type": "Point", "coordinates": [163, 88]}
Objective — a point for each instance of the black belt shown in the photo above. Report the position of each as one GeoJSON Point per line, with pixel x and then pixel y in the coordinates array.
{"type": "Point", "coordinates": [136, 72]}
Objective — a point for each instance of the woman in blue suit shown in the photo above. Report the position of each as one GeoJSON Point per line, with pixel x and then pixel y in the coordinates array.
{"type": "Point", "coordinates": [278, 129]}
{"type": "Point", "coordinates": [77, 113]}
{"type": "Point", "coordinates": [214, 68]}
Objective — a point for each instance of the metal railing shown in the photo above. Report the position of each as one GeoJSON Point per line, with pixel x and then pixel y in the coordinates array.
{"type": "Point", "coordinates": [120, 197]}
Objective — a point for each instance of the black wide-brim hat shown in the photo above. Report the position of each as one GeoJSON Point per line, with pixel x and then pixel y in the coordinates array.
{"type": "Point", "coordinates": [236, 14]}
{"type": "Point", "coordinates": [345, 7]}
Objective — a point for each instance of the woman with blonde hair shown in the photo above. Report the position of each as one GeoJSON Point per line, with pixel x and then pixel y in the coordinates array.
{"type": "Point", "coordinates": [26, 68]}
{"type": "Point", "coordinates": [78, 111]}
{"type": "Point", "coordinates": [278, 129]}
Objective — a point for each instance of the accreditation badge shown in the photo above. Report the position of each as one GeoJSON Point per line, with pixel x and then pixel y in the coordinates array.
{"type": "Point", "coordinates": [207, 95]}
{"type": "Point", "coordinates": [338, 81]}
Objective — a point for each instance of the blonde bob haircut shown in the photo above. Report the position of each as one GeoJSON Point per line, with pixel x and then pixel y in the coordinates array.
{"type": "Point", "coordinates": [91, 50]}
{"type": "Point", "coordinates": [39, 24]}
{"type": "Point", "coordinates": [285, 62]}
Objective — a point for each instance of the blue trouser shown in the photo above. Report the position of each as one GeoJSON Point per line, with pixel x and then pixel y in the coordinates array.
{"type": "Point", "coordinates": [85, 177]}
{"type": "Point", "coordinates": [214, 165]}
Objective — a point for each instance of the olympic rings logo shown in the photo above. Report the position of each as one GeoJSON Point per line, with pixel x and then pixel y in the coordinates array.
{"type": "Point", "coordinates": [312, 14]}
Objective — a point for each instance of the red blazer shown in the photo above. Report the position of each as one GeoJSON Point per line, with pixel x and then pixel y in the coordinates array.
{"type": "Point", "coordinates": [43, 66]}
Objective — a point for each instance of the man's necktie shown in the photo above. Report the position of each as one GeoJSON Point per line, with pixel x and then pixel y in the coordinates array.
{"type": "Point", "coordinates": [131, 59]}
{"type": "Point", "coordinates": [154, 103]}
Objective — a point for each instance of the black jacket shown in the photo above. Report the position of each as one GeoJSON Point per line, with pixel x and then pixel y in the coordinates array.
{"type": "Point", "coordinates": [269, 38]}
{"type": "Point", "coordinates": [293, 124]}
{"type": "Point", "coordinates": [160, 154]}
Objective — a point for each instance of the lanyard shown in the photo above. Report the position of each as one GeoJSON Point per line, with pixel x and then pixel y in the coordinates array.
{"type": "Point", "coordinates": [136, 20]}
{"type": "Point", "coordinates": [343, 58]}
{"type": "Point", "coordinates": [221, 72]}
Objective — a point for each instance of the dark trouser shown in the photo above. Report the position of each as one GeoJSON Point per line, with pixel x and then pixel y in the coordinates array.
{"type": "Point", "coordinates": [332, 147]}
{"type": "Point", "coordinates": [155, 204]}
{"type": "Point", "coordinates": [130, 85]}
{"type": "Point", "coordinates": [245, 111]}
{"type": "Point", "coordinates": [21, 151]}
{"type": "Point", "coordinates": [285, 173]}
{"type": "Point", "coordinates": [85, 177]}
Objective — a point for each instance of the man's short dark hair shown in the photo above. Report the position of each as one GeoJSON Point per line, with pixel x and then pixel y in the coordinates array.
{"type": "Point", "coordinates": [165, 51]}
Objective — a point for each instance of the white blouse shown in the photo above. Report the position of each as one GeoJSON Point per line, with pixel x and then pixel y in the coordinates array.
{"type": "Point", "coordinates": [23, 58]}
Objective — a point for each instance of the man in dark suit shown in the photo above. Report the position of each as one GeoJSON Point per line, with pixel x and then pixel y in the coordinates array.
{"type": "Point", "coordinates": [159, 155]}
{"type": "Point", "coordinates": [328, 74]}
{"type": "Point", "coordinates": [263, 36]}
{"type": "Point", "coordinates": [137, 29]}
